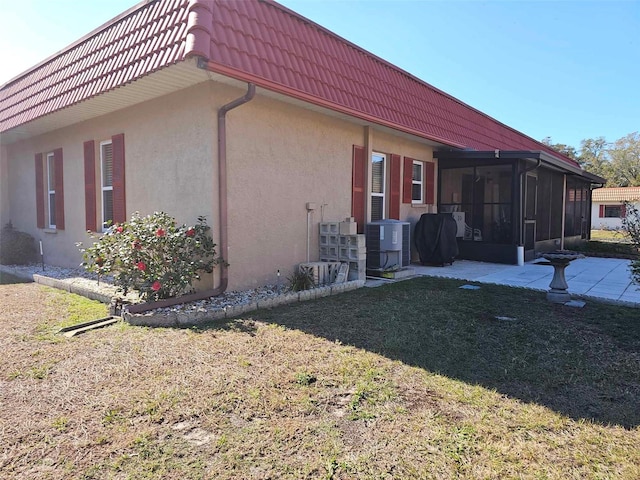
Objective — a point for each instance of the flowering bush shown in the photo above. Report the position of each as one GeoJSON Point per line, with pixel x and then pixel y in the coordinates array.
{"type": "Point", "coordinates": [153, 255]}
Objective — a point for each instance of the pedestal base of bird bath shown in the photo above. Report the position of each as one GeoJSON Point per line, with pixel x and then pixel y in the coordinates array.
{"type": "Point", "coordinates": [558, 288]}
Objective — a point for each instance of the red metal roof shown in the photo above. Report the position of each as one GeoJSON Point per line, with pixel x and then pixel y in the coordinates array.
{"type": "Point", "coordinates": [138, 42]}
{"type": "Point", "coordinates": [259, 41]}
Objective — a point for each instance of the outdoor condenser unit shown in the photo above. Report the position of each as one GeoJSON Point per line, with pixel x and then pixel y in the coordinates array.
{"type": "Point", "coordinates": [388, 244]}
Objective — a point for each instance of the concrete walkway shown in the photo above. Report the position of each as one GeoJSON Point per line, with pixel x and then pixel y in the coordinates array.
{"type": "Point", "coordinates": [607, 279]}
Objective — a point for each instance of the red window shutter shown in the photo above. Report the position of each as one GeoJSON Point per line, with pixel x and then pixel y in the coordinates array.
{"type": "Point", "coordinates": [407, 180]}
{"type": "Point", "coordinates": [90, 185]}
{"type": "Point", "coordinates": [394, 180]}
{"type": "Point", "coordinates": [57, 158]}
{"type": "Point", "coordinates": [430, 183]}
{"type": "Point", "coordinates": [601, 211]}
{"type": "Point", "coordinates": [39, 191]}
{"type": "Point", "coordinates": [358, 186]}
{"type": "Point", "coordinates": [119, 199]}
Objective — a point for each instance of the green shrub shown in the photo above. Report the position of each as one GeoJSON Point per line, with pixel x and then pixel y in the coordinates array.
{"type": "Point", "coordinates": [631, 225]}
{"type": "Point", "coordinates": [16, 248]}
{"type": "Point", "coordinates": [153, 255]}
{"type": "Point", "coordinates": [301, 280]}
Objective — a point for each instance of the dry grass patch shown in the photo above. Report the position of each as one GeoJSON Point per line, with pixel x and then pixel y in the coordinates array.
{"type": "Point", "coordinates": [400, 382]}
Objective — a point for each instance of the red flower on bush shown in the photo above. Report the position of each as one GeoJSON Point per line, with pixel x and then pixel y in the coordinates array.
{"type": "Point", "coordinates": [175, 259]}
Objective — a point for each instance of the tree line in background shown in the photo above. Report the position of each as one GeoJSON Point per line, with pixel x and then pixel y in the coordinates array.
{"type": "Point", "coordinates": [618, 162]}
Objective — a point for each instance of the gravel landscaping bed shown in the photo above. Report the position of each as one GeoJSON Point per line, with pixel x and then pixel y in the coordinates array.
{"type": "Point", "coordinates": [227, 305]}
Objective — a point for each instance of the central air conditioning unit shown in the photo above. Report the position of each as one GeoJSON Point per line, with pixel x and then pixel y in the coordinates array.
{"type": "Point", "coordinates": [388, 244]}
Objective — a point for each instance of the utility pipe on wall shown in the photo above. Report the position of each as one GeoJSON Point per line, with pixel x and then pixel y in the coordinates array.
{"type": "Point", "coordinates": [308, 233]}
{"type": "Point", "coordinates": [311, 206]}
{"type": "Point", "coordinates": [222, 179]}
{"type": "Point", "coordinates": [222, 209]}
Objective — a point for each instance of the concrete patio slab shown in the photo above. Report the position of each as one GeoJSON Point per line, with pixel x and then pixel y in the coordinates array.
{"type": "Point", "coordinates": [607, 279]}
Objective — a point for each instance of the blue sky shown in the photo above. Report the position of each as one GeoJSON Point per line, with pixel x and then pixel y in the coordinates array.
{"type": "Point", "coordinates": [565, 69]}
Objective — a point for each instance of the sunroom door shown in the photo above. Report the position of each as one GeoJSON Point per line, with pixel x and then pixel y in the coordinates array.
{"type": "Point", "coordinates": [530, 203]}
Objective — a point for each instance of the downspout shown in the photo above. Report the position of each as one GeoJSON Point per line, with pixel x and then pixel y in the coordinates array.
{"type": "Point", "coordinates": [222, 182]}
{"type": "Point", "coordinates": [222, 209]}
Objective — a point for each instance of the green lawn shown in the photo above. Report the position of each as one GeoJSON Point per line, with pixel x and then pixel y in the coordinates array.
{"type": "Point", "coordinates": [616, 236]}
{"type": "Point", "coordinates": [609, 243]}
{"type": "Point", "coordinates": [417, 379]}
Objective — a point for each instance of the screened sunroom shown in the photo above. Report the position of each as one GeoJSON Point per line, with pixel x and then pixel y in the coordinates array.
{"type": "Point", "coordinates": [511, 205]}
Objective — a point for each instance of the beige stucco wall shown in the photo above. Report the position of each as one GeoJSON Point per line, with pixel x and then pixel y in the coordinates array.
{"type": "Point", "coordinates": [4, 187]}
{"type": "Point", "coordinates": [168, 152]}
{"type": "Point", "coordinates": [280, 157]}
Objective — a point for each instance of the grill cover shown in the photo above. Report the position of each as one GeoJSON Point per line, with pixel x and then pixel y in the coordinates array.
{"type": "Point", "coordinates": [435, 239]}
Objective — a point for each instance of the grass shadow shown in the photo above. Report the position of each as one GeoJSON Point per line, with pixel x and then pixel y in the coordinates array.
{"type": "Point", "coordinates": [238, 325]}
{"type": "Point", "coordinates": [7, 279]}
{"type": "Point", "coordinates": [583, 363]}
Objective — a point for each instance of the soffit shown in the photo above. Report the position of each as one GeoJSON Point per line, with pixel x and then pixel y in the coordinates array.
{"type": "Point", "coordinates": [162, 82]}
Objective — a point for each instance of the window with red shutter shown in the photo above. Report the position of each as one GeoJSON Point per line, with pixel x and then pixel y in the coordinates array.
{"type": "Point", "coordinates": [407, 180]}
{"type": "Point", "coordinates": [59, 189]}
{"type": "Point", "coordinates": [394, 181]}
{"type": "Point", "coordinates": [429, 180]}
{"type": "Point", "coordinates": [418, 182]}
{"type": "Point", "coordinates": [378, 186]}
{"type": "Point", "coordinates": [39, 167]}
{"type": "Point", "coordinates": [51, 190]}
{"type": "Point", "coordinates": [106, 183]}
{"type": "Point", "coordinates": [613, 211]}
{"type": "Point", "coordinates": [358, 186]}
{"type": "Point", "coordinates": [119, 197]}
{"type": "Point", "coordinates": [90, 185]}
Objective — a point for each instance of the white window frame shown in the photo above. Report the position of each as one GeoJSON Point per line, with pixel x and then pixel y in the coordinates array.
{"type": "Point", "coordinates": [420, 182]}
{"type": "Point", "coordinates": [51, 190]}
{"type": "Point", "coordinates": [103, 188]}
{"type": "Point", "coordinates": [382, 194]}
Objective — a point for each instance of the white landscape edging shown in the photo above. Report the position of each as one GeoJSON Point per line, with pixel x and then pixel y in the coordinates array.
{"type": "Point", "coordinates": [171, 317]}
{"type": "Point", "coordinates": [156, 318]}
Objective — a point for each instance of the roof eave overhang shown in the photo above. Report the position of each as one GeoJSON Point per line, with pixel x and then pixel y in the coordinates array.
{"type": "Point", "coordinates": [163, 81]}
{"type": "Point", "coordinates": [544, 157]}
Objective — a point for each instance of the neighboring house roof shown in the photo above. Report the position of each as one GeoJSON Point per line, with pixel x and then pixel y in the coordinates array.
{"type": "Point", "coordinates": [616, 194]}
{"type": "Point", "coordinates": [262, 42]}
